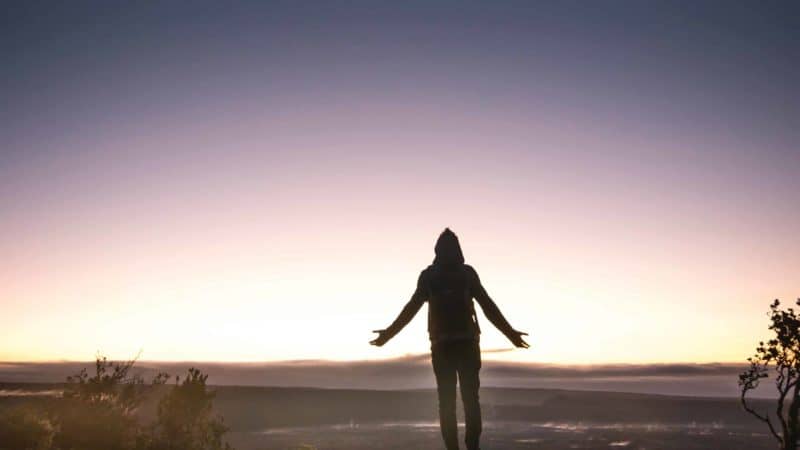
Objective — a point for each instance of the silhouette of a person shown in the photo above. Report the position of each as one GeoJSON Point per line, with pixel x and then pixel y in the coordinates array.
{"type": "Point", "coordinates": [449, 285]}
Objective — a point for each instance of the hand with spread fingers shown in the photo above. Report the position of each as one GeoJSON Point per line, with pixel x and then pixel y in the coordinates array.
{"type": "Point", "coordinates": [383, 337]}
{"type": "Point", "coordinates": [516, 339]}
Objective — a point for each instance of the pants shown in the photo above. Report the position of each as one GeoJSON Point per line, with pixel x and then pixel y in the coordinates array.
{"type": "Point", "coordinates": [458, 361]}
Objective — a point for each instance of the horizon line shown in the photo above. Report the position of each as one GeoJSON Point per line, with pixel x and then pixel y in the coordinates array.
{"type": "Point", "coordinates": [409, 357]}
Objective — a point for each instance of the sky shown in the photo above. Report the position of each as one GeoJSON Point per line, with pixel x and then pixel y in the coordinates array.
{"type": "Point", "coordinates": [264, 181]}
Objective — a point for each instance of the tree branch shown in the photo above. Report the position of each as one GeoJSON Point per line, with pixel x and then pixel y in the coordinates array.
{"type": "Point", "coordinates": [783, 382]}
{"type": "Point", "coordinates": [794, 406]}
{"type": "Point", "coordinates": [758, 416]}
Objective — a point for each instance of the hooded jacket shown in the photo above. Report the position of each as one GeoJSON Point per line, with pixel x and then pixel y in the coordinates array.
{"type": "Point", "coordinates": [451, 313]}
{"type": "Point", "coordinates": [449, 285]}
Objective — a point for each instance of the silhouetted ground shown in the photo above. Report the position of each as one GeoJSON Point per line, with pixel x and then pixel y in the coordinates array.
{"type": "Point", "coordinates": [266, 418]}
{"type": "Point", "coordinates": [508, 436]}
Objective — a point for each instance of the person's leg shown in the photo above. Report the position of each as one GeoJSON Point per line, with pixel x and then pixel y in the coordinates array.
{"type": "Point", "coordinates": [469, 381]}
{"type": "Point", "coordinates": [445, 372]}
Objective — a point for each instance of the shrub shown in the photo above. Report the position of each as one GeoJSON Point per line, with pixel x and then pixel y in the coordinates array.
{"type": "Point", "coordinates": [25, 429]}
{"type": "Point", "coordinates": [186, 420]}
{"type": "Point", "coordinates": [97, 411]}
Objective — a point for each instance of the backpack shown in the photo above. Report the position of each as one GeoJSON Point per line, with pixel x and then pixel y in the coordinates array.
{"type": "Point", "coordinates": [451, 311]}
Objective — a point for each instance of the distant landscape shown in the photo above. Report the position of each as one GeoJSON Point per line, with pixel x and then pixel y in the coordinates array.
{"type": "Point", "coordinates": [414, 372]}
{"type": "Point", "coordinates": [391, 404]}
{"type": "Point", "coordinates": [270, 418]}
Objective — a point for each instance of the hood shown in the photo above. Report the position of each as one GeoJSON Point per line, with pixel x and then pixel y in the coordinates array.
{"type": "Point", "coordinates": [448, 250]}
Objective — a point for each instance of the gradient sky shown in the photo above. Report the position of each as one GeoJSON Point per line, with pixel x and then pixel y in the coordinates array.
{"type": "Point", "coordinates": [264, 181]}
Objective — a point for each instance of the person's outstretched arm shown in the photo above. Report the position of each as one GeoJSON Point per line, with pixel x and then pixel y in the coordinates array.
{"type": "Point", "coordinates": [405, 316]}
{"type": "Point", "coordinates": [493, 313]}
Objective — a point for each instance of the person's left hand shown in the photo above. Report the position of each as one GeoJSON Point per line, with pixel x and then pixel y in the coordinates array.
{"type": "Point", "coordinates": [516, 339]}
{"type": "Point", "coordinates": [383, 337]}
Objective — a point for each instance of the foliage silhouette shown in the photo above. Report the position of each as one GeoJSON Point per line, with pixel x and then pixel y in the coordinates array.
{"type": "Point", "coordinates": [782, 355]}
{"type": "Point", "coordinates": [25, 428]}
{"type": "Point", "coordinates": [102, 411]}
{"type": "Point", "coordinates": [98, 411]}
{"type": "Point", "coordinates": [185, 418]}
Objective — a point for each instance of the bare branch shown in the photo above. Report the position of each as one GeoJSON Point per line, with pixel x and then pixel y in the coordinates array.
{"type": "Point", "coordinates": [758, 416]}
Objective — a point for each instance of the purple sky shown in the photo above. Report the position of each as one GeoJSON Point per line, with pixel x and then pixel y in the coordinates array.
{"type": "Point", "coordinates": [263, 180]}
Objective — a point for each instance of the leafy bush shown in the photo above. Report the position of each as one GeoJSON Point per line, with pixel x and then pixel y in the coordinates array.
{"type": "Point", "coordinates": [99, 412]}
{"type": "Point", "coordinates": [25, 429]}
{"type": "Point", "coordinates": [185, 418]}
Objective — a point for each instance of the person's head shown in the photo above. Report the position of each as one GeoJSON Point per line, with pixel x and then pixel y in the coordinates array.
{"type": "Point", "coordinates": [448, 250]}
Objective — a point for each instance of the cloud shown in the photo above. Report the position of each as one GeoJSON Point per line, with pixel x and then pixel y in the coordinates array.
{"type": "Point", "coordinates": [414, 372]}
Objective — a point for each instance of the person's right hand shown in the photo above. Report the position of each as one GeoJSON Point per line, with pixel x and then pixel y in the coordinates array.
{"type": "Point", "coordinates": [516, 339]}
{"type": "Point", "coordinates": [383, 337]}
